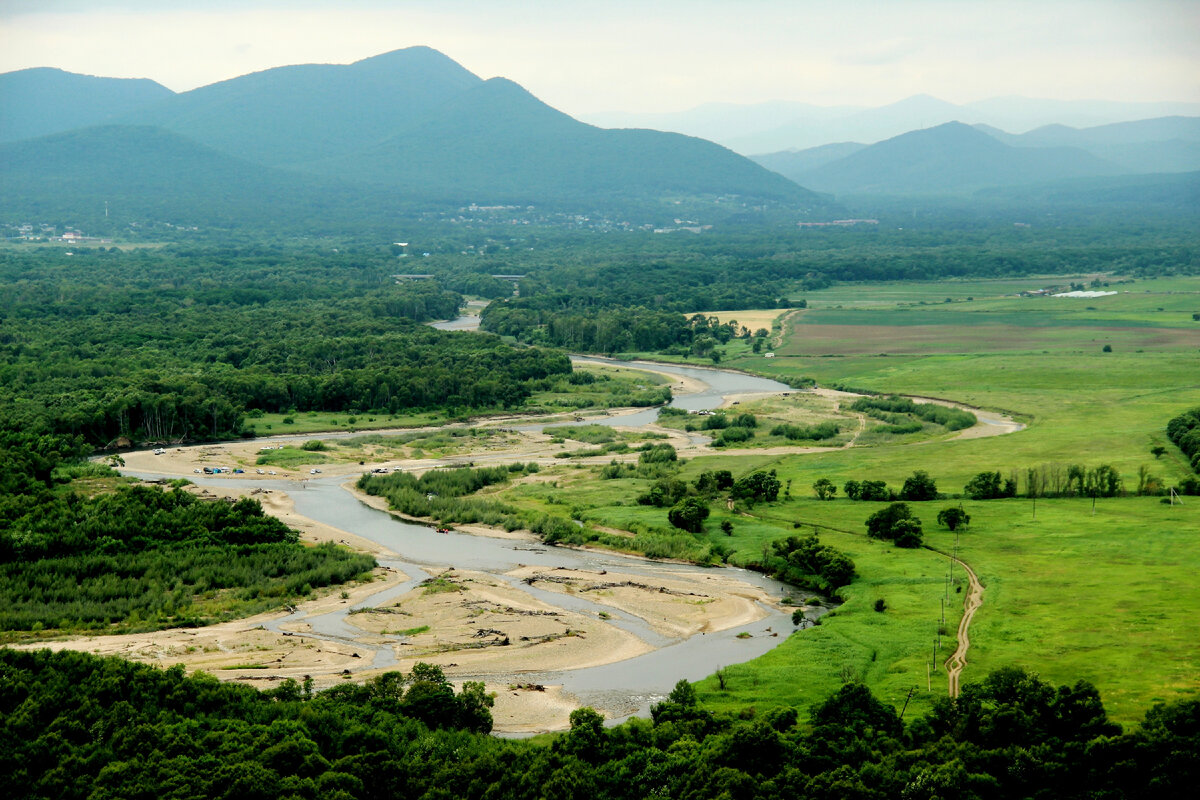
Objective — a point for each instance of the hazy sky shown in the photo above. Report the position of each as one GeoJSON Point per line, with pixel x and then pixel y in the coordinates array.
{"type": "Point", "coordinates": [655, 55]}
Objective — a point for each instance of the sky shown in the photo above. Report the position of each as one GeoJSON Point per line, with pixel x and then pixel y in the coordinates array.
{"type": "Point", "coordinates": [654, 55]}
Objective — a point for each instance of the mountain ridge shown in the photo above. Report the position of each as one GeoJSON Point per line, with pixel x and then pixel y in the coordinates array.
{"type": "Point", "coordinates": [949, 158]}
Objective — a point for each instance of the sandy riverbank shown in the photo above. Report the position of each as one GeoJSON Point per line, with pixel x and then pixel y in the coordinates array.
{"type": "Point", "coordinates": [460, 622]}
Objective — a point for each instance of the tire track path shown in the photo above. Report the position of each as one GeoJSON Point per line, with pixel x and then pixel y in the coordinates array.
{"type": "Point", "coordinates": [958, 659]}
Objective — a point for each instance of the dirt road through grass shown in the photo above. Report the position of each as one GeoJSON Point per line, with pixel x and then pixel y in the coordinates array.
{"type": "Point", "coordinates": [958, 659]}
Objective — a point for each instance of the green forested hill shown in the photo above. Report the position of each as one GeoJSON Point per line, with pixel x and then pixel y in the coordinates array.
{"type": "Point", "coordinates": [43, 100]}
{"type": "Point", "coordinates": [293, 115]}
{"type": "Point", "coordinates": [496, 142]}
{"type": "Point", "coordinates": [147, 173]}
{"type": "Point", "coordinates": [949, 158]}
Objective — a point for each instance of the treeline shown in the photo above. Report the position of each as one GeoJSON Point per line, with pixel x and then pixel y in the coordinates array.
{"type": "Point", "coordinates": [99, 349]}
{"type": "Point", "coordinates": [76, 726]}
{"type": "Point", "coordinates": [560, 322]}
{"type": "Point", "coordinates": [140, 558]}
{"type": "Point", "coordinates": [1058, 480]}
{"type": "Point", "coordinates": [1045, 480]}
{"type": "Point", "coordinates": [900, 412]}
{"type": "Point", "coordinates": [1184, 433]}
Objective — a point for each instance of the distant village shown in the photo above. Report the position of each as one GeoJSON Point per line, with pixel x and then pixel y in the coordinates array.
{"type": "Point", "coordinates": [42, 232]}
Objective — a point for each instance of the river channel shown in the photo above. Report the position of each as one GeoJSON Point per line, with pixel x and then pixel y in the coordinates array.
{"type": "Point", "coordinates": [631, 685]}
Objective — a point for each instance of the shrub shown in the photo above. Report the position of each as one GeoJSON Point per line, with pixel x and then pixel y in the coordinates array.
{"type": "Point", "coordinates": [818, 432]}
{"type": "Point", "coordinates": [713, 481]}
{"type": "Point", "coordinates": [897, 524]}
{"type": "Point", "coordinates": [953, 517]}
{"type": "Point", "coordinates": [919, 486]}
{"type": "Point", "coordinates": [688, 514]}
{"type": "Point", "coordinates": [757, 486]}
{"type": "Point", "coordinates": [732, 436]}
{"type": "Point", "coordinates": [657, 454]}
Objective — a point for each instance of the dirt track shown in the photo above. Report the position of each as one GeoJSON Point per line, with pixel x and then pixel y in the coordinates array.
{"type": "Point", "coordinates": [958, 659]}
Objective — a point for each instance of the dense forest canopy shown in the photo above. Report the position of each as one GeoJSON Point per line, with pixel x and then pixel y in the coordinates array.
{"type": "Point", "coordinates": [106, 558]}
{"type": "Point", "coordinates": [75, 726]}
{"type": "Point", "coordinates": [173, 344]}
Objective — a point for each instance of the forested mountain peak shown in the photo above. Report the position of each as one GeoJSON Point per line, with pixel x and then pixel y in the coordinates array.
{"type": "Point", "coordinates": [295, 114]}
{"type": "Point", "coordinates": [496, 142]}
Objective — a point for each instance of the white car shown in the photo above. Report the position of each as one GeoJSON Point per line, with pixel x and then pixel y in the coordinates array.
{"type": "Point", "coordinates": [272, 472]}
{"type": "Point", "coordinates": [314, 471]}
{"type": "Point", "coordinates": [260, 472]}
{"type": "Point", "coordinates": [196, 470]}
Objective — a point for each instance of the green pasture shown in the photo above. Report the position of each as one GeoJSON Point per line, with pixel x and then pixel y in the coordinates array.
{"type": "Point", "coordinates": [1070, 594]}
{"type": "Point", "coordinates": [1100, 408]}
{"type": "Point", "coordinates": [987, 316]}
{"type": "Point", "coordinates": [893, 293]}
{"type": "Point", "coordinates": [890, 651]}
{"type": "Point", "coordinates": [1106, 597]}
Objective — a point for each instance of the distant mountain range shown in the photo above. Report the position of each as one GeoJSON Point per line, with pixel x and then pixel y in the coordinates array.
{"type": "Point", "coordinates": [412, 130]}
{"type": "Point", "coordinates": [954, 158]}
{"type": "Point", "coordinates": [411, 124]}
{"type": "Point", "coordinates": [775, 126]}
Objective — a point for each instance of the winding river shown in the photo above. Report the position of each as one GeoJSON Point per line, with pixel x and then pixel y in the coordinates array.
{"type": "Point", "coordinates": [632, 684]}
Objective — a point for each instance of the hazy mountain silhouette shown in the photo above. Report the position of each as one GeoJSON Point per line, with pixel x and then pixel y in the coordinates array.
{"type": "Point", "coordinates": [412, 121]}
{"type": "Point", "coordinates": [776, 125]}
{"type": "Point", "coordinates": [498, 141]}
{"type": "Point", "coordinates": [43, 100]}
{"type": "Point", "coordinates": [1164, 144]}
{"type": "Point", "coordinates": [293, 115]}
{"type": "Point", "coordinates": [950, 158]}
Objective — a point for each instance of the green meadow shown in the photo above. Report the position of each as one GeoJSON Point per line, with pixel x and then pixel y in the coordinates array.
{"type": "Point", "coordinates": [1106, 595]}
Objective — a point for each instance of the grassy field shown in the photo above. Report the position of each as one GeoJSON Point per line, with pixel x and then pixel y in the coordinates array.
{"type": "Point", "coordinates": [1106, 598]}
{"type": "Point", "coordinates": [1070, 595]}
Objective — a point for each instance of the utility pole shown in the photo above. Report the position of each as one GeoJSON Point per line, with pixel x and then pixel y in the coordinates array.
{"type": "Point", "coordinates": [910, 695]}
